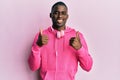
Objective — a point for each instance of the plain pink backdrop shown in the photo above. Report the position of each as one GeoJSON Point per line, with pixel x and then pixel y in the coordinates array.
{"type": "Point", "coordinates": [98, 20]}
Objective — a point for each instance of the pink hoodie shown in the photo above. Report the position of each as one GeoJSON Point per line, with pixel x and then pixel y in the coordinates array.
{"type": "Point", "coordinates": [58, 60]}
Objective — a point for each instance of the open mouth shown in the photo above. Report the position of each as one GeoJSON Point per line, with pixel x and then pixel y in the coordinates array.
{"type": "Point", "coordinates": [59, 21]}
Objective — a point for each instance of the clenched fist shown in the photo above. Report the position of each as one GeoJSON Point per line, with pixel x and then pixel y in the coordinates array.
{"type": "Point", "coordinates": [42, 39]}
{"type": "Point", "coordinates": [75, 42]}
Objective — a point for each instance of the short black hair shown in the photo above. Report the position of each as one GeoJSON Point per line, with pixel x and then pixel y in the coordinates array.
{"type": "Point", "coordinates": [59, 3]}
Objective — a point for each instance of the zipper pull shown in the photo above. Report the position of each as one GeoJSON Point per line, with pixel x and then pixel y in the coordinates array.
{"type": "Point", "coordinates": [56, 53]}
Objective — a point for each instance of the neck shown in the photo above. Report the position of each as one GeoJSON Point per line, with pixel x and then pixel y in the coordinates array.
{"type": "Point", "coordinates": [59, 28]}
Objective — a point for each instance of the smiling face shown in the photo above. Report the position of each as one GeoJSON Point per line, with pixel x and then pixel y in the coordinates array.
{"type": "Point", "coordinates": [59, 16]}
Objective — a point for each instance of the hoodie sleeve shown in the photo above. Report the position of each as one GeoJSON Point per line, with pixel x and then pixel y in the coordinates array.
{"type": "Point", "coordinates": [83, 55]}
{"type": "Point", "coordinates": [34, 59]}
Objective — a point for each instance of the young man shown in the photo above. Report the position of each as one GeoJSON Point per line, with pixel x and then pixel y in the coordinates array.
{"type": "Point", "coordinates": [57, 50]}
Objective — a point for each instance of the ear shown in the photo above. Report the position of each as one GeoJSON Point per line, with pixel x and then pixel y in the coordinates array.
{"type": "Point", "coordinates": [67, 16]}
{"type": "Point", "coordinates": [50, 15]}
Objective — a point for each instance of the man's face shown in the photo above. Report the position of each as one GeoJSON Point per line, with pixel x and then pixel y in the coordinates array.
{"type": "Point", "coordinates": [59, 16]}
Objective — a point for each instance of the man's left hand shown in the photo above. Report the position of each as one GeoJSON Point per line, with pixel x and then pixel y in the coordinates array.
{"type": "Point", "coordinates": [75, 42]}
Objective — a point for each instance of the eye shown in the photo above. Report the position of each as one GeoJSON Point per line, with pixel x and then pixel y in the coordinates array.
{"type": "Point", "coordinates": [55, 12]}
{"type": "Point", "coordinates": [64, 13]}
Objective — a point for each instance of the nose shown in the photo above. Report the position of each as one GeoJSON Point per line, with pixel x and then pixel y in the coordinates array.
{"type": "Point", "coordinates": [59, 15]}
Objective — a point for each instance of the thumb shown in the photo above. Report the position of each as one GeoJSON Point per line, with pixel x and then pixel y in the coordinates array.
{"type": "Point", "coordinates": [40, 32]}
{"type": "Point", "coordinates": [77, 35]}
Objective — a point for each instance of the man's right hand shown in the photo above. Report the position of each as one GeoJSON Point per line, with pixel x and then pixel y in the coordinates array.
{"type": "Point", "coordinates": [42, 39]}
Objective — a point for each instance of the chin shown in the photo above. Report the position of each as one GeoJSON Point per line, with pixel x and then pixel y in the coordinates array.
{"type": "Point", "coordinates": [60, 25]}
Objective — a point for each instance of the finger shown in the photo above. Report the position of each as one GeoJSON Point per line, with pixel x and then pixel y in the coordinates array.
{"type": "Point", "coordinates": [40, 31]}
{"type": "Point", "coordinates": [75, 40]}
{"type": "Point", "coordinates": [73, 44]}
{"type": "Point", "coordinates": [45, 42]}
{"type": "Point", "coordinates": [77, 35]}
{"type": "Point", "coordinates": [44, 37]}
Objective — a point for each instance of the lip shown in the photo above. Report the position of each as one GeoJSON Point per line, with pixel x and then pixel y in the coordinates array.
{"type": "Point", "coordinates": [59, 21]}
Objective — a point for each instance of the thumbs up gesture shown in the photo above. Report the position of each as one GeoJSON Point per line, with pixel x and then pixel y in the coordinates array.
{"type": "Point", "coordinates": [42, 39]}
{"type": "Point", "coordinates": [75, 41]}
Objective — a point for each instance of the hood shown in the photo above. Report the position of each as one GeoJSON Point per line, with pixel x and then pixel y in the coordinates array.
{"type": "Point", "coordinates": [68, 29]}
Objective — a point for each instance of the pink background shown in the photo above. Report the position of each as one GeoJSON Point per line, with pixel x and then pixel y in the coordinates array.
{"type": "Point", "coordinates": [98, 20]}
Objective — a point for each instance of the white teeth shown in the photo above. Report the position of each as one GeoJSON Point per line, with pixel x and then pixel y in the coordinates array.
{"type": "Point", "coordinates": [59, 21]}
